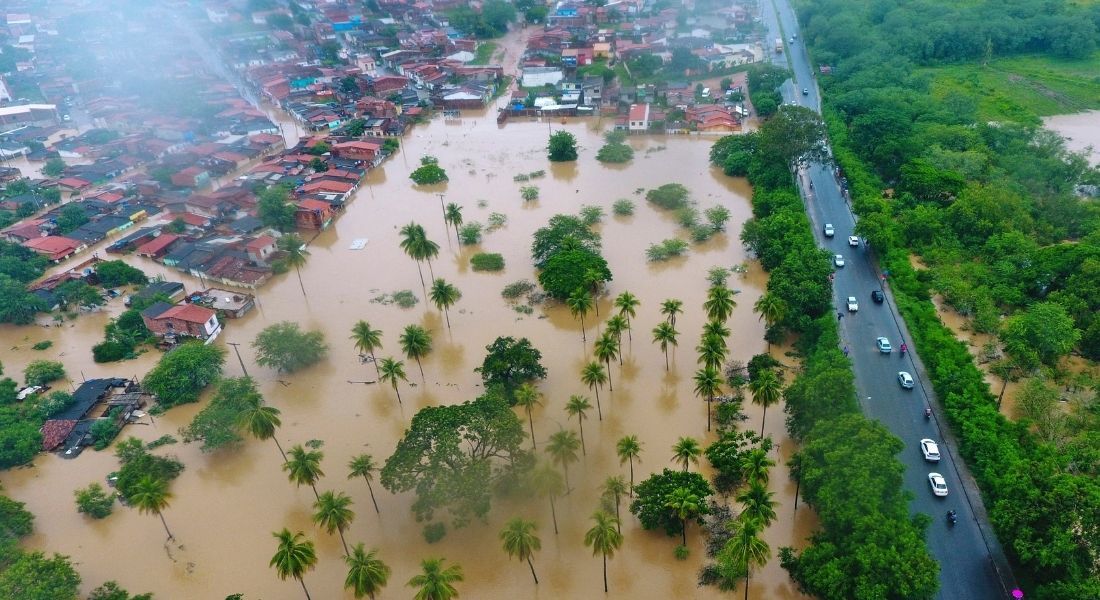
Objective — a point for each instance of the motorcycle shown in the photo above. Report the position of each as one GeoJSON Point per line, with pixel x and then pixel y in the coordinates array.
{"type": "Point", "coordinates": [952, 517]}
{"type": "Point", "coordinates": [927, 413]}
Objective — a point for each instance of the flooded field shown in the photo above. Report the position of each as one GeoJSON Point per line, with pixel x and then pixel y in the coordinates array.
{"type": "Point", "coordinates": [1081, 130]}
{"type": "Point", "coordinates": [227, 504]}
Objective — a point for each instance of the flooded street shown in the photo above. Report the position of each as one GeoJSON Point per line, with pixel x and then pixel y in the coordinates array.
{"type": "Point", "coordinates": [1081, 130]}
{"type": "Point", "coordinates": [227, 504]}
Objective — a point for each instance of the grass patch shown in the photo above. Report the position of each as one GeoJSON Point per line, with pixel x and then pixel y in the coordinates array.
{"type": "Point", "coordinates": [487, 261]}
{"type": "Point", "coordinates": [484, 53]}
{"type": "Point", "coordinates": [42, 345]}
{"type": "Point", "coordinates": [623, 207]}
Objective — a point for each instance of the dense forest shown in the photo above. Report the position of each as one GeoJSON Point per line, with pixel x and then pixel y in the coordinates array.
{"type": "Point", "coordinates": [996, 212]}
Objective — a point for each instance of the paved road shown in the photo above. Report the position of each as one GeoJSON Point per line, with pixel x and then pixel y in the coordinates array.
{"type": "Point", "coordinates": [972, 565]}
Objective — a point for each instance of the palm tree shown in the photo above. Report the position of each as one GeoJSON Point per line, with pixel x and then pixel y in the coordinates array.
{"type": "Point", "coordinates": [686, 505]}
{"type": "Point", "coordinates": [546, 481]}
{"type": "Point", "coordinates": [452, 215]}
{"type": "Point", "coordinates": [743, 550]}
{"type": "Point", "coordinates": [562, 449]}
{"type": "Point", "coordinates": [294, 255]}
{"type": "Point", "coordinates": [261, 422]}
{"type": "Point", "coordinates": [332, 513]}
{"type": "Point", "coordinates": [593, 278]}
{"type": "Point", "coordinates": [435, 583]}
{"type": "Point", "coordinates": [627, 304]}
{"type": "Point", "coordinates": [614, 488]}
{"type": "Point", "coordinates": [616, 325]}
{"type": "Point", "coordinates": [629, 448]}
{"type": "Point", "coordinates": [766, 391]}
{"type": "Point", "coordinates": [755, 466]}
{"type": "Point", "coordinates": [717, 329]}
{"type": "Point", "coordinates": [719, 303]}
{"type": "Point", "coordinates": [758, 503]}
{"type": "Point", "coordinates": [393, 371]}
{"type": "Point", "coordinates": [594, 376]}
{"type": "Point", "coordinates": [712, 351]}
{"type": "Point", "coordinates": [708, 382]}
{"type": "Point", "coordinates": [367, 574]}
{"type": "Point", "coordinates": [427, 249]}
{"type": "Point", "coordinates": [294, 556]}
{"type": "Point", "coordinates": [771, 308]}
{"type": "Point", "coordinates": [304, 466]}
{"type": "Point", "coordinates": [527, 396]}
{"type": "Point", "coordinates": [367, 340]}
{"type": "Point", "coordinates": [443, 296]}
{"type": "Point", "coordinates": [411, 235]}
{"type": "Point", "coordinates": [364, 466]}
{"type": "Point", "coordinates": [578, 407]}
{"type": "Point", "coordinates": [579, 303]}
{"type": "Point", "coordinates": [685, 451]}
{"type": "Point", "coordinates": [605, 349]}
{"type": "Point", "coordinates": [416, 342]}
{"type": "Point", "coordinates": [521, 541]}
{"type": "Point", "coordinates": [151, 495]}
{"type": "Point", "coordinates": [670, 308]}
{"type": "Point", "coordinates": [665, 335]}
{"type": "Point", "coordinates": [604, 538]}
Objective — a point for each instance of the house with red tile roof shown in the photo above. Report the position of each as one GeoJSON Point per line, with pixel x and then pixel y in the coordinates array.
{"type": "Point", "coordinates": [55, 247]}
{"type": "Point", "coordinates": [158, 246]}
{"type": "Point", "coordinates": [357, 150]}
{"type": "Point", "coordinates": [74, 184]}
{"type": "Point", "coordinates": [313, 214]}
{"type": "Point", "coordinates": [187, 320]}
{"type": "Point", "coordinates": [24, 230]}
{"type": "Point", "coordinates": [260, 249]}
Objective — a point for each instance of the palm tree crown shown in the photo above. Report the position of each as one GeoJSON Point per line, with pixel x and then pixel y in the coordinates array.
{"type": "Point", "coordinates": [528, 396]}
{"type": "Point", "coordinates": [452, 214]}
{"type": "Point", "coordinates": [687, 506]}
{"type": "Point", "coordinates": [719, 303]}
{"type": "Point", "coordinates": [304, 467]}
{"type": "Point", "coordinates": [594, 376]}
{"type": "Point", "coordinates": [686, 451]}
{"type": "Point", "coordinates": [392, 370]}
{"type": "Point", "coordinates": [758, 503]}
{"type": "Point", "coordinates": [604, 538]}
{"type": "Point", "coordinates": [579, 303]}
{"type": "Point", "coordinates": [547, 482]}
{"type": "Point", "coordinates": [606, 350]}
{"type": "Point", "coordinates": [416, 342]}
{"type": "Point", "coordinates": [364, 466]}
{"type": "Point", "coordinates": [670, 308]}
{"type": "Point", "coordinates": [521, 540]}
{"type": "Point", "coordinates": [578, 406]}
{"type": "Point", "coordinates": [629, 449]}
{"type": "Point", "coordinates": [331, 511]}
{"type": "Point", "coordinates": [562, 449]}
{"type": "Point", "coordinates": [367, 340]}
{"type": "Point", "coordinates": [151, 495]}
{"type": "Point", "coordinates": [712, 351]}
{"type": "Point", "coordinates": [294, 254]}
{"type": "Point", "coordinates": [665, 335]}
{"type": "Point", "coordinates": [708, 382]}
{"type": "Point", "coordinates": [367, 574]}
{"type": "Point", "coordinates": [444, 295]}
{"type": "Point", "coordinates": [294, 556]}
{"type": "Point", "coordinates": [436, 582]}
{"type": "Point", "coordinates": [766, 390]}
{"type": "Point", "coordinates": [261, 422]}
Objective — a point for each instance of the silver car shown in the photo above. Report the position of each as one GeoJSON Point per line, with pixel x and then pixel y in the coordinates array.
{"type": "Point", "coordinates": [838, 260]}
{"type": "Point", "coordinates": [930, 450]}
{"type": "Point", "coordinates": [883, 345]}
{"type": "Point", "coordinates": [939, 485]}
{"type": "Point", "coordinates": [905, 380]}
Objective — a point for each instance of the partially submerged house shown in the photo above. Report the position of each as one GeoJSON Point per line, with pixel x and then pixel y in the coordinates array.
{"type": "Point", "coordinates": [172, 322]}
{"type": "Point", "coordinates": [110, 398]}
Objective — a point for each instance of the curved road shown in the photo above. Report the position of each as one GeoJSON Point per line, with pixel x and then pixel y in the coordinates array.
{"type": "Point", "coordinates": [972, 563]}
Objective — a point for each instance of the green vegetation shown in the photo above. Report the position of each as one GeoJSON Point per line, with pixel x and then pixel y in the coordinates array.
{"type": "Point", "coordinates": [286, 348]}
{"type": "Point", "coordinates": [510, 363]}
{"type": "Point", "coordinates": [670, 196]}
{"type": "Point", "coordinates": [275, 209]}
{"type": "Point", "coordinates": [41, 372]}
{"type": "Point", "coordinates": [94, 501]}
{"type": "Point", "coordinates": [623, 207]}
{"type": "Point", "coordinates": [138, 465]}
{"type": "Point", "coordinates": [184, 372]}
{"type": "Point", "coordinates": [764, 81]}
{"type": "Point", "coordinates": [470, 233]}
{"type": "Point", "coordinates": [122, 335]}
{"type": "Point", "coordinates": [484, 53]}
{"type": "Point", "coordinates": [652, 496]}
{"type": "Point", "coordinates": [43, 345]}
{"type": "Point", "coordinates": [70, 217]}
{"type": "Point", "coordinates": [615, 150]}
{"type": "Point", "coordinates": [529, 193]}
{"type": "Point", "coordinates": [113, 273]}
{"type": "Point", "coordinates": [492, 21]}
{"type": "Point", "coordinates": [218, 423]}
{"type": "Point", "coordinates": [487, 261]}
{"type": "Point", "coordinates": [567, 253]}
{"type": "Point", "coordinates": [665, 250]}
{"type": "Point", "coordinates": [429, 172]}
{"type": "Point", "coordinates": [562, 147]}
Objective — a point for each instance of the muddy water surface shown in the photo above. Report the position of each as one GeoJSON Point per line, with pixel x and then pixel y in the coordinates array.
{"type": "Point", "coordinates": [227, 504]}
{"type": "Point", "coordinates": [1081, 130]}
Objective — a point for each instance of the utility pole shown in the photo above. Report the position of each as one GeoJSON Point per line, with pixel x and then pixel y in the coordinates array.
{"type": "Point", "coordinates": [239, 359]}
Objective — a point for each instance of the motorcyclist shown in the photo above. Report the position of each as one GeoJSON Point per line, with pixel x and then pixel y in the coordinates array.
{"type": "Point", "coordinates": [928, 412]}
{"type": "Point", "coordinates": [952, 517]}
{"type": "Point", "coordinates": [904, 349]}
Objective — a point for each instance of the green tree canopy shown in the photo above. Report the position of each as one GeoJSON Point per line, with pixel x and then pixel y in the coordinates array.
{"type": "Point", "coordinates": [275, 209]}
{"type": "Point", "coordinates": [286, 348]}
{"type": "Point", "coordinates": [652, 497]}
{"type": "Point", "coordinates": [508, 364]}
{"type": "Point", "coordinates": [183, 372]}
{"type": "Point", "coordinates": [572, 268]}
{"type": "Point", "coordinates": [34, 577]}
{"type": "Point", "coordinates": [218, 423]}
{"type": "Point", "coordinates": [562, 147]}
{"type": "Point", "coordinates": [114, 273]}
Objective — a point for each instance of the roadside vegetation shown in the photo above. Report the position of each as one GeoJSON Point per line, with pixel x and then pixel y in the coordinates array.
{"type": "Point", "coordinates": [992, 211]}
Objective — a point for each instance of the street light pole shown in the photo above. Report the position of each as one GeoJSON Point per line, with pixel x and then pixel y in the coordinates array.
{"type": "Point", "coordinates": [239, 359]}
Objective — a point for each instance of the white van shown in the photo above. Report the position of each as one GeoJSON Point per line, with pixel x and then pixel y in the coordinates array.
{"type": "Point", "coordinates": [706, 92]}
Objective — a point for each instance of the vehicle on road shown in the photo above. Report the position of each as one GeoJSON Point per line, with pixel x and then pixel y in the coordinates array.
{"type": "Point", "coordinates": [838, 260]}
{"type": "Point", "coordinates": [877, 296]}
{"type": "Point", "coordinates": [853, 241]}
{"type": "Point", "coordinates": [805, 91]}
{"type": "Point", "coordinates": [778, 45]}
{"type": "Point", "coordinates": [883, 345]}
{"type": "Point", "coordinates": [829, 231]}
{"type": "Point", "coordinates": [952, 517]}
{"type": "Point", "coordinates": [905, 380]}
{"type": "Point", "coordinates": [853, 306]}
{"type": "Point", "coordinates": [930, 450]}
{"type": "Point", "coordinates": [939, 485]}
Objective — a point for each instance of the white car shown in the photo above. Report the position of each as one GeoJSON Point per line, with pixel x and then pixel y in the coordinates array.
{"type": "Point", "coordinates": [829, 230]}
{"type": "Point", "coordinates": [939, 486]}
{"type": "Point", "coordinates": [853, 241]}
{"type": "Point", "coordinates": [883, 345]}
{"type": "Point", "coordinates": [930, 450]}
{"type": "Point", "coordinates": [905, 380]}
{"type": "Point", "coordinates": [853, 306]}
{"type": "Point", "coordinates": [838, 260]}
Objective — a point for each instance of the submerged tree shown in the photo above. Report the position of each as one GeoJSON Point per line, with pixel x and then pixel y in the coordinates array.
{"type": "Point", "coordinates": [444, 295]}
{"type": "Point", "coordinates": [304, 467]}
{"type": "Point", "coordinates": [416, 342]}
{"type": "Point", "coordinates": [562, 449]}
{"type": "Point", "coordinates": [393, 370]}
{"type": "Point", "coordinates": [436, 582]}
{"type": "Point", "coordinates": [332, 513]}
{"type": "Point", "coordinates": [594, 376]}
{"type": "Point", "coordinates": [520, 540]}
{"type": "Point", "coordinates": [364, 466]}
{"type": "Point", "coordinates": [578, 406]}
{"type": "Point", "coordinates": [604, 539]}
{"type": "Point", "coordinates": [294, 556]}
{"type": "Point", "coordinates": [665, 335]}
{"type": "Point", "coordinates": [151, 495]}
{"type": "Point", "coordinates": [367, 574]}
{"type": "Point", "coordinates": [367, 340]}
{"type": "Point", "coordinates": [629, 449]}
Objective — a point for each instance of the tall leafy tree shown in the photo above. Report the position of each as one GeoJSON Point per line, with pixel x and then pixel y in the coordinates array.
{"type": "Point", "coordinates": [766, 390]}
{"type": "Point", "coordinates": [612, 491]}
{"type": "Point", "coordinates": [758, 503]}
{"type": "Point", "coordinates": [151, 495]}
{"type": "Point", "coordinates": [367, 574]}
{"type": "Point", "coordinates": [436, 582]}
{"type": "Point", "coordinates": [616, 325]}
{"type": "Point", "coordinates": [771, 308]}
{"type": "Point", "coordinates": [664, 334]}
{"type": "Point", "coordinates": [528, 397]}
{"type": "Point", "coordinates": [293, 557]}
{"type": "Point", "coordinates": [261, 422]}
{"type": "Point", "coordinates": [367, 340]}
{"type": "Point", "coordinates": [686, 506]}
{"type": "Point", "coordinates": [331, 511]}
{"type": "Point", "coordinates": [686, 451]}
{"type": "Point", "coordinates": [452, 214]}
{"type": "Point", "coordinates": [627, 304]}
{"type": "Point", "coordinates": [756, 466]}
{"type": "Point", "coordinates": [393, 370]}
{"type": "Point", "coordinates": [364, 466]}
{"type": "Point", "coordinates": [606, 349]}
{"type": "Point", "coordinates": [594, 376]}
{"type": "Point", "coordinates": [579, 303]}
{"type": "Point", "coordinates": [712, 351]}
{"type": "Point", "coordinates": [629, 449]}
{"type": "Point", "coordinates": [416, 342]}
{"type": "Point", "coordinates": [520, 540]}
{"type": "Point", "coordinates": [708, 382]}
{"type": "Point", "coordinates": [578, 406]}
{"type": "Point", "coordinates": [304, 467]}
{"type": "Point", "coordinates": [294, 255]}
{"type": "Point", "coordinates": [444, 295]}
{"type": "Point", "coordinates": [604, 539]}
{"type": "Point", "coordinates": [562, 449]}
{"type": "Point", "coordinates": [509, 363]}
{"type": "Point", "coordinates": [546, 481]}
{"type": "Point", "coordinates": [718, 331]}
{"type": "Point", "coordinates": [719, 303]}
{"type": "Point", "coordinates": [411, 236]}
{"type": "Point", "coordinates": [670, 308]}
{"type": "Point", "coordinates": [743, 551]}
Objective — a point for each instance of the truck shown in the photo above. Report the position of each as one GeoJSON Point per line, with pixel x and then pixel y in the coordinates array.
{"type": "Point", "coordinates": [778, 45]}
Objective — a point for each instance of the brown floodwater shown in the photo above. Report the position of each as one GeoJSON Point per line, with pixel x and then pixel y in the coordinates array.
{"type": "Point", "coordinates": [1081, 130]}
{"type": "Point", "coordinates": [226, 504]}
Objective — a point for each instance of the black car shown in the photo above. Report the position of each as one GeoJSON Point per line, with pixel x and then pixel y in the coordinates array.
{"type": "Point", "coordinates": [877, 296]}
